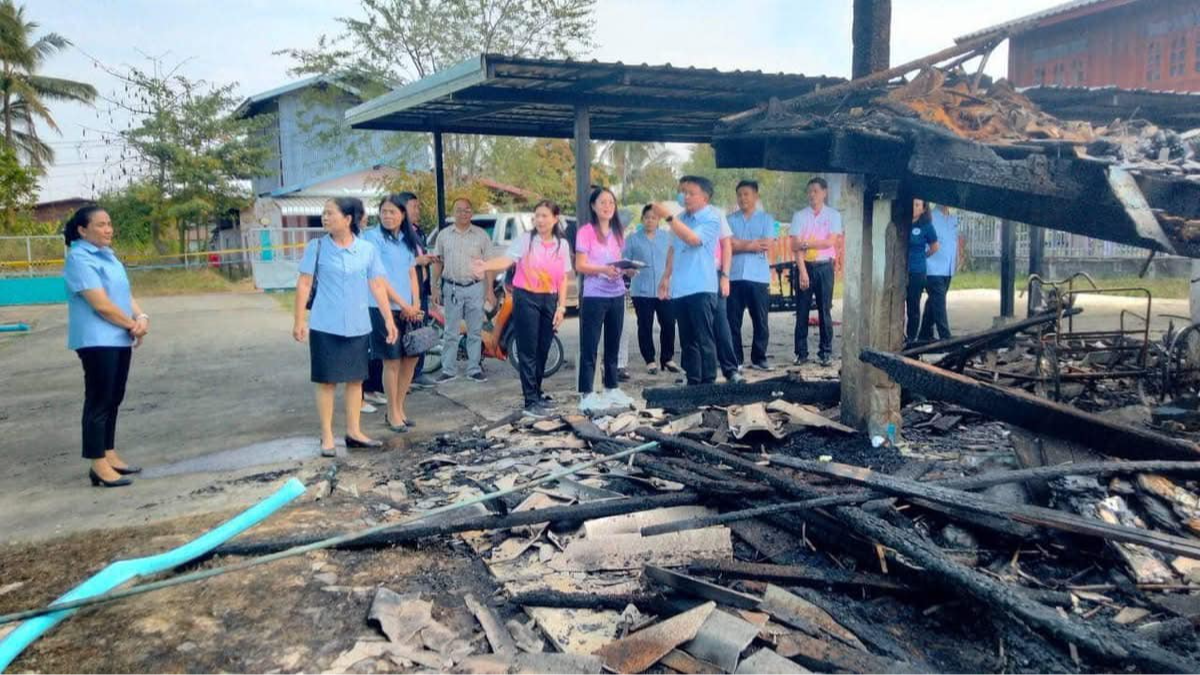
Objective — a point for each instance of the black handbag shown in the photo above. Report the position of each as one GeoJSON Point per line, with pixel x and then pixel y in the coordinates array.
{"type": "Point", "coordinates": [419, 339]}
{"type": "Point", "coordinates": [312, 292]}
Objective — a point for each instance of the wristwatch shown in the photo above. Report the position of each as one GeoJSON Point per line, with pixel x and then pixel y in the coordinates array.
{"type": "Point", "coordinates": [141, 316]}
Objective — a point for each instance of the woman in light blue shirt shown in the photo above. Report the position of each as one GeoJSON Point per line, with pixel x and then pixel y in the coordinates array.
{"type": "Point", "coordinates": [398, 247]}
{"type": "Point", "coordinates": [344, 270]}
{"type": "Point", "coordinates": [650, 246]}
{"type": "Point", "coordinates": [104, 325]}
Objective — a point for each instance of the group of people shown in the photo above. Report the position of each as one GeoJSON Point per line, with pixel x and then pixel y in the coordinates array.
{"type": "Point", "coordinates": [362, 296]}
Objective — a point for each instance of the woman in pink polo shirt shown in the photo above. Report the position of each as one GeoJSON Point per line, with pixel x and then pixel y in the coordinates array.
{"type": "Point", "coordinates": [543, 260]}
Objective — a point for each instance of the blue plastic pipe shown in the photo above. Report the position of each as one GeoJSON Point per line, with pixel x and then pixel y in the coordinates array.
{"type": "Point", "coordinates": [123, 570]}
{"type": "Point", "coordinates": [13, 327]}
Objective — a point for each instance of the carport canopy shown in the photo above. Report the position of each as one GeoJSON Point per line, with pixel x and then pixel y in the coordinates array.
{"type": "Point", "coordinates": [499, 95]}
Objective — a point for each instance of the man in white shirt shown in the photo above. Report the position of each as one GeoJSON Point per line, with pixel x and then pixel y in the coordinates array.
{"type": "Point", "coordinates": [814, 235]}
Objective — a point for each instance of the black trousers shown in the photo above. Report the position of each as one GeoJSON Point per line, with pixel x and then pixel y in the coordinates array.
{"type": "Point", "coordinates": [755, 297]}
{"type": "Point", "coordinates": [533, 321]}
{"type": "Point", "coordinates": [820, 286]}
{"type": "Point", "coordinates": [723, 338]}
{"type": "Point", "coordinates": [912, 305]}
{"type": "Point", "coordinates": [105, 372]}
{"type": "Point", "coordinates": [935, 315]}
{"type": "Point", "coordinates": [695, 314]}
{"type": "Point", "coordinates": [597, 315]}
{"type": "Point", "coordinates": [646, 309]}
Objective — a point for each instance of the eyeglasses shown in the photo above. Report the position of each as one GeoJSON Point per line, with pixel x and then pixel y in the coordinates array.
{"type": "Point", "coordinates": [464, 211]}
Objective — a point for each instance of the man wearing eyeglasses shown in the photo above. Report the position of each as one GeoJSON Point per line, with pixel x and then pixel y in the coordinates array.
{"type": "Point", "coordinates": [456, 248]}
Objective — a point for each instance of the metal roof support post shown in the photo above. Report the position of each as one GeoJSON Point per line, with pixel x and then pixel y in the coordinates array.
{"type": "Point", "coordinates": [583, 162]}
{"type": "Point", "coordinates": [439, 179]}
{"type": "Point", "coordinates": [1008, 268]}
{"type": "Point", "coordinates": [583, 179]}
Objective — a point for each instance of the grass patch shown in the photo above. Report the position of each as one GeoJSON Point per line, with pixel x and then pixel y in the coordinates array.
{"type": "Point", "coordinates": [1175, 288]}
{"type": "Point", "coordinates": [184, 282]}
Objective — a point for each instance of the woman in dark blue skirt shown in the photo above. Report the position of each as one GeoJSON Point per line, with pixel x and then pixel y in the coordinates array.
{"type": "Point", "coordinates": [346, 271]}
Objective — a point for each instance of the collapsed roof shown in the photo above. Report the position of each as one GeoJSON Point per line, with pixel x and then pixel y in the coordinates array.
{"type": "Point", "coordinates": [987, 149]}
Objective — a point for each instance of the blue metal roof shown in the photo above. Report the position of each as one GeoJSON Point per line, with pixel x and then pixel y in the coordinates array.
{"type": "Point", "coordinates": [252, 104]}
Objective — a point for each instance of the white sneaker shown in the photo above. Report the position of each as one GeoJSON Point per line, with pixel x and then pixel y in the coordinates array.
{"type": "Point", "coordinates": [368, 408]}
{"type": "Point", "coordinates": [593, 402]}
{"type": "Point", "coordinates": [375, 397]}
{"type": "Point", "coordinates": [618, 399]}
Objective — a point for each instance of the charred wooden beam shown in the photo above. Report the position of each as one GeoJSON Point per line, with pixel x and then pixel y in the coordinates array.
{"type": "Point", "coordinates": [681, 399]}
{"type": "Point", "coordinates": [1029, 411]}
{"type": "Point", "coordinates": [956, 500]}
{"type": "Point", "coordinates": [650, 603]}
{"type": "Point", "coordinates": [408, 534]}
{"type": "Point", "coordinates": [979, 482]}
{"type": "Point", "coordinates": [795, 574]}
{"type": "Point", "coordinates": [1110, 646]}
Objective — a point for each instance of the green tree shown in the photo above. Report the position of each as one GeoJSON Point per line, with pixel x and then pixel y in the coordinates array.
{"type": "Point", "coordinates": [18, 184]}
{"type": "Point", "coordinates": [394, 42]}
{"type": "Point", "coordinates": [632, 161]}
{"type": "Point", "coordinates": [192, 150]}
{"type": "Point", "coordinates": [782, 192]}
{"type": "Point", "coordinates": [137, 210]}
{"type": "Point", "coordinates": [24, 94]}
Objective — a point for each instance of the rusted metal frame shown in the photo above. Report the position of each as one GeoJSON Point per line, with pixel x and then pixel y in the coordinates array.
{"type": "Point", "coordinates": [1036, 414]}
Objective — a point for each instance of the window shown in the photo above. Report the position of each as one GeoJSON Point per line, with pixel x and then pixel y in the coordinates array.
{"type": "Point", "coordinates": [1060, 74]}
{"type": "Point", "coordinates": [1039, 76]}
{"type": "Point", "coordinates": [1178, 59]}
{"type": "Point", "coordinates": [1154, 61]}
{"type": "Point", "coordinates": [1077, 69]}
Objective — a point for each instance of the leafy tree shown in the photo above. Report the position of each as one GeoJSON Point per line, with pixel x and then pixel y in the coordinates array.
{"type": "Point", "coordinates": [24, 94]}
{"type": "Point", "coordinates": [545, 166]}
{"type": "Point", "coordinates": [631, 161]}
{"type": "Point", "coordinates": [782, 192]}
{"type": "Point", "coordinates": [190, 148]}
{"type": "Point", "coordinates": [18, 184]}
{"type": "Point", "coordinates": [137, 211]}
{"type": "Point", "coordinates": [397, 41]}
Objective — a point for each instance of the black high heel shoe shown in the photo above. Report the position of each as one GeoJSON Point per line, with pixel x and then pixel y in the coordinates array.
{"type": "Point", "coordinates": [97, 481]}
{"type": "Point", "coordinates": [355, 443]}
{"type": "Point", "coordinates": [128, 471]}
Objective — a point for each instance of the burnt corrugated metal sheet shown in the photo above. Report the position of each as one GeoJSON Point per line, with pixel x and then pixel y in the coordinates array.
{"type": "Point", "coordinates": [1179, 110]}
{"type": "Point", "coordinates": [502, 95]}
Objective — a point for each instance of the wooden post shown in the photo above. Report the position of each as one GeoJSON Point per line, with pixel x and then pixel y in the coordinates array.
{"type": "Point", "coordinates": [439, 180]}
{"type": "Point", "coordinates": [875, 277]}
{"type": "Point", "coordinates": [1008, 268]}
{"type": "Point", "coordinates": [871, 34]}
{"type": "Point", "coordinates": [1037, 262]}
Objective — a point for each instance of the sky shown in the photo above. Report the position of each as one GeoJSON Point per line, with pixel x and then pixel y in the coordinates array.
{"type": "Point", "coordinates": [225, 41]}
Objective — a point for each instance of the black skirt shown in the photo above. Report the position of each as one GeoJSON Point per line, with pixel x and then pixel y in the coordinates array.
{"type": "Point", "coordinates": [380, 349]}
{"type": "Point", "coordinates": [337, 359]}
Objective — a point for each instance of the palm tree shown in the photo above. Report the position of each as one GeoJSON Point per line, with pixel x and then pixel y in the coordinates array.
{"type": "Point", "coordinates": [23, 93]}
{"type": "Point", "coordinates": [630, 160]}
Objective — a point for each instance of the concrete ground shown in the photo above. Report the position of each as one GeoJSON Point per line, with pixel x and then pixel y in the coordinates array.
{"type": "Point", "coordinates": [219, 394]}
